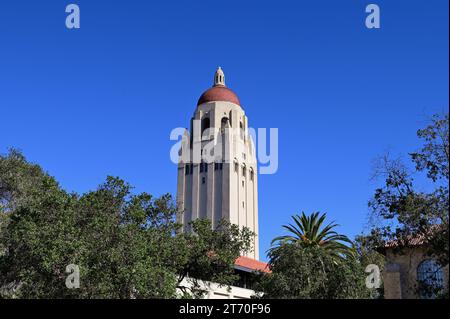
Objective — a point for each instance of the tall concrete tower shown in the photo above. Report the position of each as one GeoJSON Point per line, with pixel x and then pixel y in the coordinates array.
{"type": "Point", "coordinates": [217, 172]}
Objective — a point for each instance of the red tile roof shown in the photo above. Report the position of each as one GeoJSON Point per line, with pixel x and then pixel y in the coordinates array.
{"type": "Point", "coordinates": [252, 264]}
{"type": "Point", "coordinates": [416, 240]}
{"type": "Point", "coordinates": [412, 240]}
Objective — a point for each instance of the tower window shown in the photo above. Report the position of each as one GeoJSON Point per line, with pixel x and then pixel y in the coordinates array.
{"type": "Point", "coordinates": [223, 122]}
{"type": "Point", "coordinates": [252, 173]}
{"type": "Point", "coordinates": [188, 169]}
{"type": "Point", "coordinates": [216, 166]}
{"type": "Point", "coordinates": [220, 166]}
{"type": "Point", "coordinates": [243, 205]}
{"type": "Point", "coordinates": [191, 135]}
{"type": "Point", "coordinates": [243, 183]}
{"type": "Point", "coordinates": [205, 125]}
{"type": "Point", "coordinates": [201, 167]}
{"type": "Point", "coordinates": [203, 180]}
{"type": "Point", "coordinates": [243, 171]}
{"type": "Point", "coordinates": [236, 167]}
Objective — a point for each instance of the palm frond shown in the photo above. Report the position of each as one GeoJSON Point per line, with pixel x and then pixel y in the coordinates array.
{"type": "Point", "coordinates": [307, 231]}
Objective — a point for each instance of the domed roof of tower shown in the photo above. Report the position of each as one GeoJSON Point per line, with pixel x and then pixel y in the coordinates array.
{"type": "Point", "coordinates": [219, 92]}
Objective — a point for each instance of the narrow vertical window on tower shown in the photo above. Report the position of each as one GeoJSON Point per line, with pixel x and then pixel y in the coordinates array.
{"type": "Point", "coordinates": [241, 129]}
{"type": "Point", "coordinates": [236, 166]}
{"type": "Point", "coordinates": [223, 123]}
{"type": "Point", "coordinates": [251, 174]}
{"type": "Point", "coordinates": [191, 133]}
{"type": "Point", "coordinates": [188, 169]}
{"type": "Point", "coordinates": [205, 126]}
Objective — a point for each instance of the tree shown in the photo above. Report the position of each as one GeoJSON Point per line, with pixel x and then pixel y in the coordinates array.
{"type": "Point", "coordinates": [126, 245]}
{"type": "Point", "coordinates": [307, 232]}
{"type": "Point", "coordinates": [400, 210]}
{"type": "Point", "coordinates": [433, 157]}
{"type": "Point", "coordinates": [211, 254]}
{"type": "Point", "coordinates": [313, 262]}
{"type": "Point", "coordinates": [312, 273]}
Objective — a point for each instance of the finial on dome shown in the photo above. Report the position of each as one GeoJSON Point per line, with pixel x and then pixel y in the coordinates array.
{"type": "Point", "coordinates": [219, 77]}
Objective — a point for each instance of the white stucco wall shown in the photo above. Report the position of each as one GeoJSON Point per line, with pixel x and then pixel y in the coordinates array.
{"type": "Point", "coordinates": [215, 291]}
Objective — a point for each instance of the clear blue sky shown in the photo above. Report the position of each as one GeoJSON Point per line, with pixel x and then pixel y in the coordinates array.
{"type": "Point", "coordinates": [103, 99]}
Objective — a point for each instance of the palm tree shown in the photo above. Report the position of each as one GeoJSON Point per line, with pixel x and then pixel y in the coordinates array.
{"type": "Point", "coordinates": [307, 232]}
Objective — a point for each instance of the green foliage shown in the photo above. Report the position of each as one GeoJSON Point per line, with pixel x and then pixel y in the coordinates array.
{"type": "Point", "coordinates": [433, 157]}
{"type": "Point", "coordinates": [212, 253]}
{"type": "Point", "coordinates": [312, 273]}
{"type": "Point", "coordinates": [307, 231]}
{"type": "Point", "coordinates": [313, 262]}
{"type": "Point", "coordinates": [126, 245]}
{"type": "Point", "coordinates": [402, 211]}
{"type": "Point", "coordinates": [405, 211]}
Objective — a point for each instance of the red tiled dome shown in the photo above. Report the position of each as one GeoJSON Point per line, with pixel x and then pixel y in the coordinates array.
{"type": "Point", "coordinates": [218, 93]}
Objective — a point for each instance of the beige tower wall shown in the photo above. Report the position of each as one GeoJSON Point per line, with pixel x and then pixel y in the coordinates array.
{"type": "Point", "coordinates": [225, 193]}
